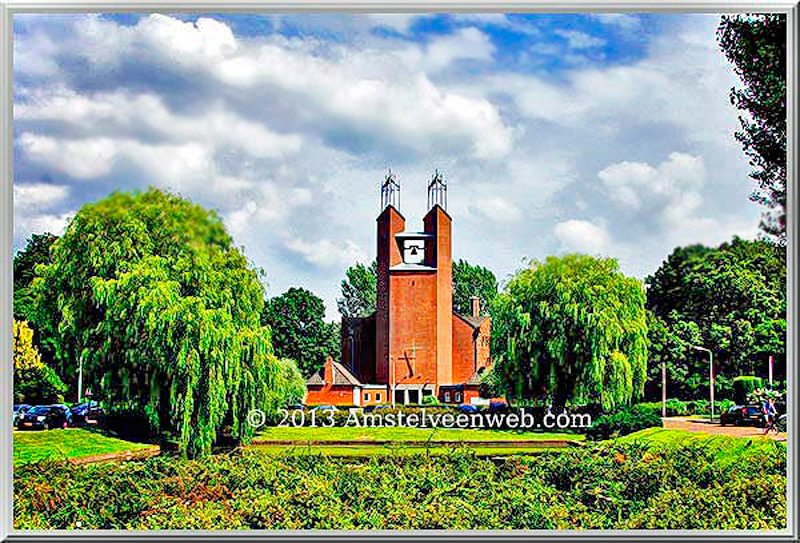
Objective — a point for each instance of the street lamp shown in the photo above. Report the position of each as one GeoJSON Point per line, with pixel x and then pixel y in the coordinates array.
{"type": "Point", "coordinates": [711, 373]}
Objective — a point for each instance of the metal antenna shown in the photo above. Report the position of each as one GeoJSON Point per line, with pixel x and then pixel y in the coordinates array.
{"type": "Point", "coordinates": [390, 192]}
{"type": "Point", "coordinates": [437, 191]}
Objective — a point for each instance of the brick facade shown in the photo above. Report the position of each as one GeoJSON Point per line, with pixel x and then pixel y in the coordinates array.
{"type": "Point", "coordinates": [414, 344]}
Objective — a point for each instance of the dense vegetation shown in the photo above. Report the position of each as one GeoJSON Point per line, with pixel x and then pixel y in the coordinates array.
{"type": "Point", "coordinates": [571, 329]}
{"type": "Point", "coordinates": [614, 485]}
{"type": "Point", "coordinates": [147, 290]}
{"type": "Point", "coordinates": [34, 381]}
{"type": "Point", "coordinates": [731, 298]}
{"type": "Point", "coordinates": [756, 46]}
{"type": "Point", "coordinates": [299, 331]}
{"type": "Point", "coordinates": [35, 252]}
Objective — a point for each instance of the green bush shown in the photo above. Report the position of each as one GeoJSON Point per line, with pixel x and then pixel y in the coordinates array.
{"type": "Point", "coordinates": [623, 422]}
{"type": "Point", "coordinates": [679, 408]}
{"type": "Point", "coordinates": [743, 386]}
{"type": "Point", "coordinates": [612, 485]}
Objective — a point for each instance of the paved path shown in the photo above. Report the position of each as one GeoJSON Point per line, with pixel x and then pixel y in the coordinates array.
{"type": "Point", "coordinates": [707, 427]}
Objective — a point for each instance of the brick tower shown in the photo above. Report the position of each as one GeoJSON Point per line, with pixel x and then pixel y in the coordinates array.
{"type": "Point", "coordinates": [414, 329]}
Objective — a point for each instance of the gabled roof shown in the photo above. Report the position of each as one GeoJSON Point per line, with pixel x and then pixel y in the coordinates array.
{"type": "Point", "coordinates": [475, 322]}
{"type": "Point", "coordinates": [341, 376]}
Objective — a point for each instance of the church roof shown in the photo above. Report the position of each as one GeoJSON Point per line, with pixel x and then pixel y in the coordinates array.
{"type": "Point", "coordinates": [341, 376]}
{"type": "Point", "coordinates": [475, 322]}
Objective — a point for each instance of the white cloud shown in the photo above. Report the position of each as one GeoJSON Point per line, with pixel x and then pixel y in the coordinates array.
{"type": "Point", "coordinates": [29, 197]}
{"type": "Point", "coordinates": [580, 40]}
{"type": "Point", "coordinates": [582, 236]}
{"type": "Point", "coordinates": [464, 44]}
{"type": "Point", "coordinates": [496, 208]}
{"type": "Point", "coordinates": [130, 114]}
{"type": "Point", "coordinates": [621, 20]}
{"type": "Point", "coordinates": [82, 159]}
{"type": "Point", "coordinates": [671, 188]}
{"type": "Point", "coordinates": [327, 253]}
{"type": "Point", "coordinates": [54, 223]}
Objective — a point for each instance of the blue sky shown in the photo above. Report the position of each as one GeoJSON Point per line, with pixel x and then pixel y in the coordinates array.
{"type": "Point", "coordinates": [609, 134]}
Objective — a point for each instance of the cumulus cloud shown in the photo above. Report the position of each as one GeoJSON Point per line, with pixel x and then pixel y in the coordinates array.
{"type": "Point", "coordinates": [580, 40]}
{"type": "Point", "coordinates": [673, 183]}
{"type": "Point", "coordinates": [287, 133]}
{"type": "Point", "coordinates": [582, 236]}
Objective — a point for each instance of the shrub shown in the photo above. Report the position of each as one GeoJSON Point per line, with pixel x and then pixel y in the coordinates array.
{"type": "Point", "coordinates": [623, 422]}
{"type": "Point", "coordinates": [678, 408]}
{"type": "Point", "coordinates": [612, 485]}
{"type": "Point", "coordinates": [34, 381]}
{"type": "Point", "coordinates": [743, 386]}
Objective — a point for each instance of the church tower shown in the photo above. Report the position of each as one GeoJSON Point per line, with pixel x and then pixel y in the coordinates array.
{"type": "Point", "coordinates": [414, 331]}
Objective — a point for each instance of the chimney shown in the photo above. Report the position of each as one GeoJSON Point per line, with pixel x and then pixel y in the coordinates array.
{"type": "Point", "coordinates": [329, 370]}
{"type": "Point", "coordinates": [476, 306]}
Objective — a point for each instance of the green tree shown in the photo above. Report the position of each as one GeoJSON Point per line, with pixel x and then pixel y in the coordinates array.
{"type": "Point", "coordinates": [147, 289]}
{"type": "Point", "coordinates": [36, 251]}
{"type": "Point", "coordinates": [731, 299]}
{"type": "Point", "coordinates": [34, 381]}
{"type": "Point", "coordinates": [469, 281]}
{"type": "Point", "coordinates": [756, 45]}
{"type": "Point", "coordinates": [359, 291]}
{"type": "Point", "coordinates": [572, 329]}
{"type": "Point", "coordinates": [299, 330]}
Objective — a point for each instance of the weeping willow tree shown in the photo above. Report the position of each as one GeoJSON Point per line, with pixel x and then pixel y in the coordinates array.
{"type": "Point", "coordinates": [571, 329]}
{"type": "Point", "coordinates": [148, 293]}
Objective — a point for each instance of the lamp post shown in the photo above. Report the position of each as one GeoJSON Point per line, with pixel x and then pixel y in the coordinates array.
{"type": "Point", "coordinates": [80, 378]}
{"type": "Point", "coordinates": [711, 374]}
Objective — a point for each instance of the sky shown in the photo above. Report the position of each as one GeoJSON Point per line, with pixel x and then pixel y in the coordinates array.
{"type": "Point", "coordinates": [606, 134]}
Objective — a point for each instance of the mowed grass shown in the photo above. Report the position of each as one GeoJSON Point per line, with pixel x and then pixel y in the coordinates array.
{"type": "Point", "coordinates": [35, 446]}
{"type": "Point", "coordinates": [725, 449]}
{"type": "Point", "coordinates": [304, 434]}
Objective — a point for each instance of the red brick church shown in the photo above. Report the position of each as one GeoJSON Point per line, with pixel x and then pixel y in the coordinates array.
{"type": "Point", "coordinates": [414, 345]}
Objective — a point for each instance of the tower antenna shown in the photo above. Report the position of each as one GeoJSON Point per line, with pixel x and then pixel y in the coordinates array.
{"type": "Point", "coordinates": [437, 191]}
{"type": "Point", "coordinates": [390, 191]}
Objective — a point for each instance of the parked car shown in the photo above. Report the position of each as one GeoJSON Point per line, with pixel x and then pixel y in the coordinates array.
{"type": "Point", "coordinates": [498, 404]}
{"type": "Point", "coordinates": [44, 417]}
{"type": "Point", "coordinates": [741, 415]}
{"type": "Point", "coordinates": [19, 409]}
{"type": "Point", "coordinates": [468, 408]}
{"type": "Point", "coordinates": [86, 413]}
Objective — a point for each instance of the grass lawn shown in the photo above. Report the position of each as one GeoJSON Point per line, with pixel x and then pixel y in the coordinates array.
{"type": "Point", "coordinates": [304, 434]}
{"type": "Point", "coordinates": [34, 446]}
{"type": "Point", "coordinates": [301, 436]}
{"type": "Point", "coordinates": [726, 449]}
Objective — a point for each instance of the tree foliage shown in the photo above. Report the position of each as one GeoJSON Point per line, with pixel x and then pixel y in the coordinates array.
{"type": "Point", "coordinates": [731, 299]}
{"type": "Point", "coordinates": [147, 289]}
{"type": "Point", "coordinates": [469, 281]}
{"type": "Point", "coordinates": [36, 251]}
{"type": "Point", "coordinates": [299, 330]}
{"type": "Point", "coordinates": [756, 45]}
{"type": "Point", "coordinates": [571, 328]}
{"type": "Point", "coordinates": [34, 381]}
{"type": "Point", "coordinates": [359, 290]}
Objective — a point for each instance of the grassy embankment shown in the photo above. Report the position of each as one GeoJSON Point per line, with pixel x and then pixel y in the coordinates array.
{"type": "Point", "coordinates": [629, 483]}
{"type": "Point", "coordinates": [67, 444]}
